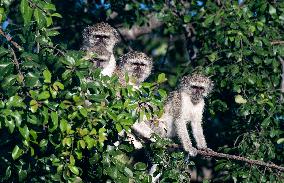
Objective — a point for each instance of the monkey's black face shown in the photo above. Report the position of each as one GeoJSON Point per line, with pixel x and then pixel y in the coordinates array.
{"type": "Point", "coordinates": [138, 70]}
{"type": "Point", "coordinates": [196, 92]}
{"type": "Point", "coordinates": [199, 90]}
{"type": "Point", "coordinates": [99, 62]}
{"type": "Point", "coordinates": [101, 39]}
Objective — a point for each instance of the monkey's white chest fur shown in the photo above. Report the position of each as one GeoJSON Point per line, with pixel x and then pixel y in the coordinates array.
{"type": "Point", "coordinates": [189, 111]}
{"type": "Point", "coordinates": [109, 69]}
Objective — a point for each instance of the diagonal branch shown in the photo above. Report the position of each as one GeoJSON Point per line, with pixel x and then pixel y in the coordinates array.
{"type": "Point", "coordinates": [9, 39]}
{"type": "Point", "coordinates": [135, 31]}
{"type": "Point", "coordinates": [277, 42]}
{"type": "Point", "coordinates": [16, 63]}
{"type": "Point", "coordinates": [282, 80]}
{"type": "Point", "coordinates": [211, 153]}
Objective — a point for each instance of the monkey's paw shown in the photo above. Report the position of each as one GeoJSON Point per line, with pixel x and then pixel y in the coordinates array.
{"type": "Point", "coordinates": [192, 151]}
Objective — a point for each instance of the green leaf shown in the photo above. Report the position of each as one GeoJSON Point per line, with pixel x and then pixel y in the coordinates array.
{"type": "Point", "coordinates": [140, 166]}
{"type": "Point", "coordinates": [240, 100]}
{"type": "Point", "coordinates": [8, 172]}
{"type": "Point", "coordinates": [39, 17]}
{"type": "Point", "coordinates": [162, 78]}
{"type": "Point", "coordinates": [74, 169]}
{"type": "Point", "coordinates": [47, 76]}
{"type": "Point", "coordinates": [57, 85]}
{"type": "Point", "coordinates": [272, 10]}
{"type": "Point", "coordinates": [186, 19]}
{"type": "Point", "coordinates": [280, 141]}
{"type": "Point", "coordinates": [43, 95]}
{"type": "Point", "coordinates": [43, 143]}
{"type": "Point", "coordinates": [56, 15]}
{"type": "Point", "coordinates": [10, 124]}
{"type": "Point", "coordinates": [84, 112]}
{"type": "Point", "coordinates": [17, 152]}
{"type": "Point", "coordinates": [49, 23]}
{"type": "Point", "coordinates": [34, 106]}
{"type": "Point", "coordinates": [26, 11]}
{"type": "Point", "coordinates": [49, 6]}
{"type": "Point", "coordinates": [63, 125]}
{"type": "Point", "coordinates": [128, 172]}
{"type": "Point", "coordinates": [54, 119]}
{"type": "Point", "coordinates": [24, 132]}
{"type": "Point", "coordinates": [15, 101]}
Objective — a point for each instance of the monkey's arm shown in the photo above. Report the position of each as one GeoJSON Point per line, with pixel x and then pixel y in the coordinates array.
{"type": "Point", "coordinates": [183, 135]}
{"type": "Point", "coordinates": [197, 130]}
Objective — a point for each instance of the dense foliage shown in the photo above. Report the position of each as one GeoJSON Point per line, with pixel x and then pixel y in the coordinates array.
{"type": "Point", "coordinates": [49, 132]}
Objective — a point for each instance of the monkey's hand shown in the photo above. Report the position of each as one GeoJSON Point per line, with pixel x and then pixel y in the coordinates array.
{"type": "Point", "coordinates": [192, 151]}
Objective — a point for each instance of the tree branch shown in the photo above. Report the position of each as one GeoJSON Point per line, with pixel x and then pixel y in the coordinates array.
{"type": "Point", "coordinates": [9, 39]}
{"type": "Point", "coordinates": [282, 80]}
{"type": "Point", "coordinates": [16, 63]}
{"type": "Point", "coordinates": [135, 31]}
{"type": "Point", "coordinates": [211, 153]}
{"type": "Point", "coordinates": [276, 42]}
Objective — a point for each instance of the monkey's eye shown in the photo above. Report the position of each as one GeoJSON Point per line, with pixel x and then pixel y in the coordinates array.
{"type": "Point", "coordinates": [138, 64]}
{"type": "Point", "coordinates": [197, 87]}
{"type": "Point", "coordinates": [101, 37]}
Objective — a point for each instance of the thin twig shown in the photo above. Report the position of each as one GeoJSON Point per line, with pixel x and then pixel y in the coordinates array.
{"type": "Point", "coordinates": [54, 49]}
{"type": "Point", "coordinates": [282, 78]}
{"type": "Point", "coordinates": [37, 6]}
{"type": "Point", "coordinates": [9, 39]}
{"type": "Point", "coordinates": [16, 63]}
{"type": "Point", "coordinates": [212, 153]}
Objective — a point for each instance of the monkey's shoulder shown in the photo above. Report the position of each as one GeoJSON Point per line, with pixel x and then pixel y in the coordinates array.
{"type": "Point", "coordinates": [173, 103]}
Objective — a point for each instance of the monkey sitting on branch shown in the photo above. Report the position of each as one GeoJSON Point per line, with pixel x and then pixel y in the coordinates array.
{"type": "Point", "coordinates": [184, 105]}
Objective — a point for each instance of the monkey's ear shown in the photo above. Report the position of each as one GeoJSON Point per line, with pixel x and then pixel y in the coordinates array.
{"type": "Point", "coordinates": [210, 86]}
{"type": "Point", "coordinates": [117, 36]}
{"type": "Point", "coordinates": [86, 32]}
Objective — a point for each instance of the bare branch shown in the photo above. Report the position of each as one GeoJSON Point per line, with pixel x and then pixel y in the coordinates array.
{"type": "Point", "coordinates": [9, 39]}
{"type": "Point", "coordinates": [276, 42]}
{"type": "Point", "coordinates": [211, 153]}
{"type": "Point", "coordinates": [16, 63]}
{"type": "Point", "coordinates": [135, 31]}
{"type": "Point", "coordinates": [282, 80]}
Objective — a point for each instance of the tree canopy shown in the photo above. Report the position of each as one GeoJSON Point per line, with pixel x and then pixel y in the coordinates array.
{"type": "Point", "coordinates": [48, 134]}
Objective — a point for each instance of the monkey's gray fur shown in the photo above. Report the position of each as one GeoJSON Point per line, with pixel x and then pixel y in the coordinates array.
{"type": "Point", "coordinates": [100, 34]}
{"type": "Point", "coordinates": [184, 105]}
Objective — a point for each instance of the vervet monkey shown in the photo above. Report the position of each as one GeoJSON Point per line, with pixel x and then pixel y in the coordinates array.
{"type": "Point", "coordinates": [184, 105]}
{"type": "Point", "coordinates": [138, 66]}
